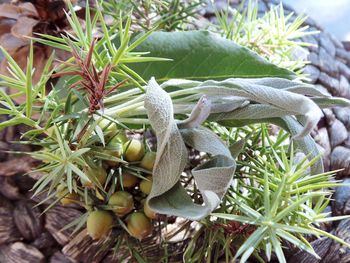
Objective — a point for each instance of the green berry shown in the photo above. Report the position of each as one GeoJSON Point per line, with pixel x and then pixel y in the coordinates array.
{"type": "Point", "coordinates": [146, 185]}
{"type": "Point", "coordinates": [107, 125]}
{"type": "Point", "coordinates": [129, 180]}
{"type": "Point", "coordinates": [61, 190]}
{"type": "Point", "coordinates": [114, 149]}
{"type": "Point", "coordinates": [122, 203]}
{"type": "Point", "coordinates": [99, 223]}
{"type": "Point", "coordinates": [118, 138]}
{"type": "Point", "coordinates": [148, 161]}
{"type": "Point", "coordinates": [134, 150]}
{"type": "Point", "coordinates": [99, 174]}
{"type": "Point", "coordinates": [139, 225]}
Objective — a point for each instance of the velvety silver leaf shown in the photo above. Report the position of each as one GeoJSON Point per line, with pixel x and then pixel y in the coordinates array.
{"type": "Point", "coordinates": [285, 96]}
{"type": "Point", "coordinates": [198, 115]}
{"type": "Point", "coordinates": [212, 177]}
{"type": "Point", "coordinates": [282, 99]}
{"type": "Point", "coordinates": [171, 151]}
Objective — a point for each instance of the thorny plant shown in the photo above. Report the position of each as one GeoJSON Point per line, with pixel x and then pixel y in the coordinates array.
{"type": "Point", "coordinates": [93, 82]}
{"type": "Point", "coordinates": [273, 202]}
{"type": "Point", "coordinates": [90, 156]}
{"type": "Point", "coordinates": [275, 36]}
{"type": "Point", "coordinates": [168, 15]}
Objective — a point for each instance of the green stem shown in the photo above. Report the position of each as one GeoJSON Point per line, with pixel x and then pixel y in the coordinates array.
{"type": "Point", "coordinates": [138, 101]}
{"type": "Point", "coordinates": [134, 121]}
{"type": "Point", "coordinates": [128, 106]}
{"type": "Point", "coordinates": [121, 96]}
{"type": "Point", "coordinates": [125, 111]}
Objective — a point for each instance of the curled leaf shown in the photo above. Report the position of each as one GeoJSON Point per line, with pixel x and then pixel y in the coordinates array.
{"type": "Point", "coordinates": [198, 115]}
{"type": "Point", "coordinates": [171, 152]}
{"type": "Point", "coordinates": [212, 178]}
{"type": "Point", "coordinates": [251, 111]}
{"type": "Point", "coordinates": [306, 144]}
{"type": "Point", "coordinates": [214, 175]}
{"type": "Point", "coordinates": [331, 102]}
{"type": "Point", "coordinates": [293, 86]}
{"type": "Point", "coordinates": [264, 94]}
{"type": "Point", "coordinates": [284, 96]}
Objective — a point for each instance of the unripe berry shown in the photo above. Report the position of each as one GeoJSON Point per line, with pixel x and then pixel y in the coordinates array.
{"type": "Point", "coordinates": [118, 137]}
{"type": "Point", "coordinates": [99, 173]}
{"type": "Point", "coordinates": [107, 125]}
{"type": "Point", "coordinates": [61, 190]}
{"type": "Point", "coordinates": [114, 149]}
{"type": "Point", "coordinates": [148, 161]}
{"type": "Point", "coordinates": [139, 225]}
{"type": "Point", "coordinates": [146, 185]}
{"type": "Point", "coordinates": [122, 203]}
{"type": "Point", "coordinates": [99, 223]}
{"type": "Point", "coordinates": [129, 180]}
{"type": "Point", "coordinates": [134, 150]}
{"type": "Point", "coordinates": [51, 132]}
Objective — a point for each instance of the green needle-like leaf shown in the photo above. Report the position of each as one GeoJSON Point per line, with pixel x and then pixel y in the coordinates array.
{"type": "Point", "coordinates": [252, 241]}
{"type": "Point", "coordinates": [29, 89]}
{"type": "Point", "coordinates": [277, 247]}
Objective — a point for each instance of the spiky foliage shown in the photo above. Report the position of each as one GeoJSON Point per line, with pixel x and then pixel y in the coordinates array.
{"type": "Point", "coordinates": [79, 139]}
{"type": "Point", "coordinates": [273, 202]}
{"type": "Point", "coordinates": [168, 15]}
{"type": "Point", "coordinates": [273, 35]}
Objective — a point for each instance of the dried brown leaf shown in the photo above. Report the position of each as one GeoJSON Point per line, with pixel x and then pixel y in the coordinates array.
{"type": "Point", "coordinates": [19, 165]}
{"type": "Point", "coordinates": [5, 28]}
{"type": "Point", "coordinates": [28, 9]}
{"type": "Point", "coordinates": [24, 27]}
{"type": "Point", "coordinates": [12, 43]}
{"type": "Point", "coordinates": [16, 11]}
{"type": "Point", "coordinates": [9, 11]}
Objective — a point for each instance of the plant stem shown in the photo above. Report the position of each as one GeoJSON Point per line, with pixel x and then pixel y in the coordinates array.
{"type": "Point", "coordinates": [121, 96]}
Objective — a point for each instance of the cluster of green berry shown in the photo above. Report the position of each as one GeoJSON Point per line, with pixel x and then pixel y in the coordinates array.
{"type": "Point", "coordinates": [128, 199]}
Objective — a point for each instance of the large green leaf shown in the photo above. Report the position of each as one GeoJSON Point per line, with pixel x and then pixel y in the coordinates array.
{"type": "Point", "coordinates": [202, 55]}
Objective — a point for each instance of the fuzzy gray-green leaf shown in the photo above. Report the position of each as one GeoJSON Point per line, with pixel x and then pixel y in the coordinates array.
{"type": "Point", "coordinates": [212, 177]}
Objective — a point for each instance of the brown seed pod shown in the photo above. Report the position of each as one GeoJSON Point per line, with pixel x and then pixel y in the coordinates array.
{"type": "Point", "coordinates": [114, 148]}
